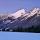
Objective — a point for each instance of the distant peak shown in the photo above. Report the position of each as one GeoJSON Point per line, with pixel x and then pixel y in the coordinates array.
{"type": "Point", "coordinates": [21, 11]}
{"type": "Point", "coordinates": [37, 8]}
{"type": "Point", "coordinates": [18, 13]}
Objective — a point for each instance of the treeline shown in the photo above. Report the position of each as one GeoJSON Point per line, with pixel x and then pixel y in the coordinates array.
{"type": "Point", "coordinates": [20, 29]}
{"type": "Point", "coordinates": [30, 29]}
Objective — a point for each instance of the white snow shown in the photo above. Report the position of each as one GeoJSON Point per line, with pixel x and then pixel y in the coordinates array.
{"type": "Point", "coordinates": [35, 11]}
{"type": "Point", "coordinates": [18, 13]}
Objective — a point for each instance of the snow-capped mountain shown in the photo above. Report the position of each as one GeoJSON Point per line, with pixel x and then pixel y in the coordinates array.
{"type": "Point", "coordinates": [20, 18]}
{"type": "Point", "coordinates": [18, 13]}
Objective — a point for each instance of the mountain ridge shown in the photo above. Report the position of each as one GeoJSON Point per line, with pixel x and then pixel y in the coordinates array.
{"type": "Point", "coordinates": [20, 19]}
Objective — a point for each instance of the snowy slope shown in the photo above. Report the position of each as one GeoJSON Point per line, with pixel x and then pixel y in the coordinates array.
{"type": "Point", "coordinates": [18, 13]}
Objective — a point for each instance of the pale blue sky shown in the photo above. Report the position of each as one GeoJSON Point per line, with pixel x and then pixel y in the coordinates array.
{"type": "Point", "coordinates": [19, 36]}
{"type": "Point", "coordinates": [14, 5]}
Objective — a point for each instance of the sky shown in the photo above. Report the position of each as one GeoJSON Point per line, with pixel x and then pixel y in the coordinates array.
{"type": "Point", "coordinates": [14, 5]}
{"type": "Point", "coordinates": [19, 36]}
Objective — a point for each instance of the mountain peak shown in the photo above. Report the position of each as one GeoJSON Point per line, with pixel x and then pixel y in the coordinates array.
{"type": "Point", "coordinates": [23, 12]}
{"type": "Point", "coordinates": [18, 13]}
{"type": "Point", "coordinates": [36, 9]}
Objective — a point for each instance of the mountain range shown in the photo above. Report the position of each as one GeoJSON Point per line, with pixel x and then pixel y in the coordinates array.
{"type": "Point", "coordinates": [21, 18]}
